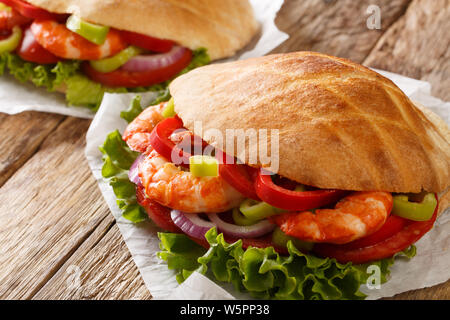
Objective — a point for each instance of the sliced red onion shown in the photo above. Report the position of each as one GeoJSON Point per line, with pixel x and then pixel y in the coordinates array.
{"type": "Point", "coordinates": [133, 174]}
{"type": "Point", "coordinates": [191, 223]}
{"type": "Point", "coordinates": [254, 231]}
{"type": "Point", "coordinates": [151, 62]}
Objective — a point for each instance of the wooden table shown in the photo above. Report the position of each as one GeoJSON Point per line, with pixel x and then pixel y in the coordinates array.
{"type": "Point", "coordinates": [58, 239]}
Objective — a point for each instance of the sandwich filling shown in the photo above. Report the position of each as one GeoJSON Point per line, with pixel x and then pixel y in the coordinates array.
{"type": "Point", "coordinates": [265, 234]}
{"type": "Point", "coordinates": [185, 192]}
{"type": "Point", "coordinates": [83, 59]}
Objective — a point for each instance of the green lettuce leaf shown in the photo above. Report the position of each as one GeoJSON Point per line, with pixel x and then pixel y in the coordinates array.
{"type": "Point", "coordinates": [80, 90]}
{"type": "Point", "coordinates": [265, 274]}
{"type": "Point", "coordinates": [262, 273]}
{"type": "Point", "coordinates": [136, 108]}
{"type": "Point", "coordinates": [133, 111]}
{"type": "Point", "coordinates": [117, 160]}
{"type": "Point", "coordinates": [65, 75]}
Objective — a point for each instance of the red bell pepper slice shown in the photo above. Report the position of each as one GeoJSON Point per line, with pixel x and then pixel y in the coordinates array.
{"type": "Point", "coordinates": [160, 141]}
{"type": "Point", "coordinates": [286, 199]}
{"type": "Point", "coordinates": [147, 42]}
{"type": "Point", "coordinates": [239, 176]}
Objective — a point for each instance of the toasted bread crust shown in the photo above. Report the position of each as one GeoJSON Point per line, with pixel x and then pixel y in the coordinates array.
{"type": "Point", "coordinates": [221, 26]}
{"type": "Point", "coordinates": [341, 125]}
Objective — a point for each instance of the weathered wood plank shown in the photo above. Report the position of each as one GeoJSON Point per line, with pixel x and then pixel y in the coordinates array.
{"type": "Point", "coordinates": [418, 45]}
{"type": "Point", "coordinates": [61, 216]}
{"type": "Point", "coordinates": [335, 27]}
{"type": "Point", "coordinates": [47, 209]}
{"type": "Point", "coordinates": [21, 136]}
{"type": "Point", "coordinates": [62, 227]}
{"type": "Point", "coordinates": [438, 292]}
{"type": "Point", "coordinates": [101, 268]}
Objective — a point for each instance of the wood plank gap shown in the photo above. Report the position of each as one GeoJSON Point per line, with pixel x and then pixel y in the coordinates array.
{"type": "Point", "coordinates": [102, 268]}
{"type": "Point", "coordinates": [393, 22]}
{"type": "Point", "coordinates": [418, 46]}
{"type": "Point", "coordinates": [60, 123]}
{"type": "Point", "coordinates": [338, 28]}
{"type": "Point", "coordinates": [6, 173]}
{"type": "Point", "coordinates": [64, 259]}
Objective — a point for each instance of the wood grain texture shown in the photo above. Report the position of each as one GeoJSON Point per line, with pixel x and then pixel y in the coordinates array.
{"type": "Point", "coordinates": [64, 216]}
{"type": "Point", "coordinates": [418, 46]}
{"type": "Point", "coordinates": [101, 268]}
{"type": "Point", "coordinates": [21, 136]}
{"type": "Point", "coordinates": [54, 223]}
{"type": "Point", "coordinates": [335, 27]}
{"type": "Point", "coordinates": [438, 292]}
{"type": "Point", "coordinates": [43, 218]}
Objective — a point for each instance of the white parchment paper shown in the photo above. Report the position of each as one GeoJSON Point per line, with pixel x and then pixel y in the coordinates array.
{"type": "Point", "coordinates": [430, 267]}
{"type": "Point", "coordinates": [16, 97]}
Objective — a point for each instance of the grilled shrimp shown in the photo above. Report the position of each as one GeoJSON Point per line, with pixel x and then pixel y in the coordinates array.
{"type": "Point", "coordinates": [166, 183]}
{"type": "Point", "coordinates": [62, 42]}
{"type": "Point", "coordinates": [137, 134]}
{"type": "Point", "coordinates": [355, 216]}
{"type": "Point", "coordinates": [170, 186]}
{"type": "Point", "coordinates": [11, 18]}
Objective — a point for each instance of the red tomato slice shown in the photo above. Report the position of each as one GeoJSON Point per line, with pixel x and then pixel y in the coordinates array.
{"type": "Point", "coordinates": [30, 11]}
{"type": "Point", "coordinates": [11, 18]}
{"type": "Point", "coordinates": [393, 225]}
{"type": "Point", "coordinates": [147, 42]}
{"type": "Point", "coordinates": [286, 199]}
{"type": "Point", "coordinates": [159, 214]}
{"type": "Point", "coordinates": [386, 248]}
{"type": "Point", "coordinates": [31, 50]}
{"type": "Point", "coordinates": [121, 78]}
{"type": "Point", "coordinates": [262, 242]}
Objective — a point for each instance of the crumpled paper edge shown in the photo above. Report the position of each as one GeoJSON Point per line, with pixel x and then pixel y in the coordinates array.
{"type": "Point", "coordinates": [143, 242]}
{"type": "Point", "coordinates": [16, 97]}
